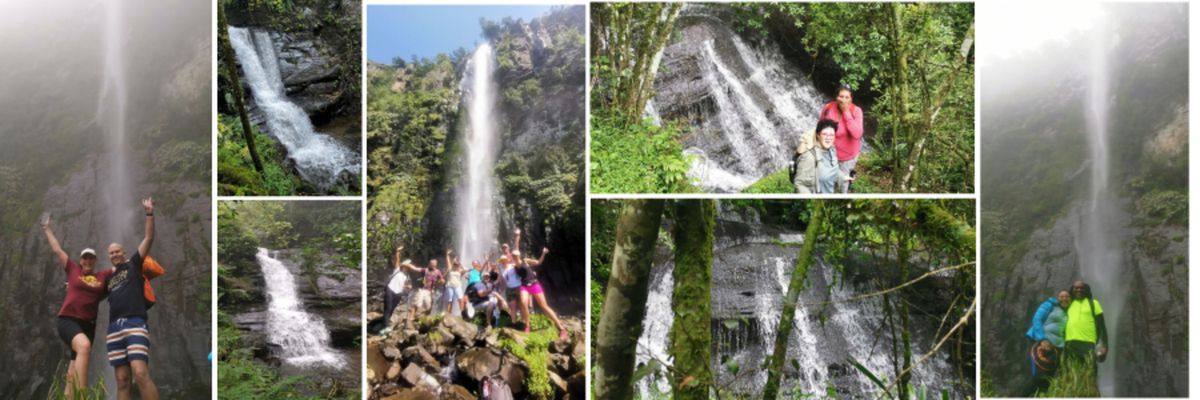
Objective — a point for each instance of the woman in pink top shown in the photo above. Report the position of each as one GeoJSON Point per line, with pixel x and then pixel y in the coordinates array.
{"type": "Point", "coordinates": [848, 140]}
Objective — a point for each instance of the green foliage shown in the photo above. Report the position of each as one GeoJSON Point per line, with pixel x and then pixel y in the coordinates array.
{"type": "Point", "coordinates": [241, 377]}
{"type": "Point", "coordinates": [637, 158]}
{"type": "Point", "coordinates": [1075, 378]}
{"type": "Point", "coordinates": [774, 183]}
{"type": "Point", "coordinates": [236, 175]}
{"type": "Point", "coordinates": [1163, 206]}
{"type": "Point", "coordinates": [536, 354]}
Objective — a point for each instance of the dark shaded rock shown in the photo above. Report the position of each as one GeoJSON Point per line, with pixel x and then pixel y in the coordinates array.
{"type": "Point", "coordinates": [417, 354]}
{"type": "Point", "coordinates": [559, 384]}
{"type": "Point", "coordinates": [577, 385]}
{"type": "Point", "coordinates": [464, 331]}
{"type": "Point", "coordinates": [478, 363]}
{"type": "Point", "coordinates": [456, 392]}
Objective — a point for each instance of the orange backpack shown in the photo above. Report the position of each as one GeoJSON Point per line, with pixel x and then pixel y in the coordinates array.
{"type": "Point", "coordinates": [150, 270]}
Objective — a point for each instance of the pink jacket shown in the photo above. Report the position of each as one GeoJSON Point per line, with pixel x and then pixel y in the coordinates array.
{"type": "Point", "coordinates": [850, 129]}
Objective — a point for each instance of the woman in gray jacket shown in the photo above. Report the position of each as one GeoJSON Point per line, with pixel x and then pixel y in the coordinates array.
{"type": "Point", "coordinates": [804, 176]}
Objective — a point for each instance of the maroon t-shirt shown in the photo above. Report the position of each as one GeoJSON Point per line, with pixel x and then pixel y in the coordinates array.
{"type": "Point", "coordinates": [84, 292]}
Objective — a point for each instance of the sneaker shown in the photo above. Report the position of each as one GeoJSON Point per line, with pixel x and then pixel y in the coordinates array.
{"type": "Point", "coordinates": [385, 332]}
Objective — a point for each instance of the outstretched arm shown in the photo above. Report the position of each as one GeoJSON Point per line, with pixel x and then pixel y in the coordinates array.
{"type": "Point", "coordinates": [58, 251]}
{"type": "Point", "coordinates": [516, 241]}
{"type": "Point", "coordinates": [144, 248]}
{"type": "Point", "coordinates": [396, 257]}
{"type": "Point", "coordinates": [537, 262]}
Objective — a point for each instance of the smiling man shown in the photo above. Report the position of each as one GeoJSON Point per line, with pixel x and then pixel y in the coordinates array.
{"type": "Point", "coordinates": [128, 334]}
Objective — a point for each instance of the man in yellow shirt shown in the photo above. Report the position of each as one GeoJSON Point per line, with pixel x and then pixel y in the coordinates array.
{"type": "Point", "coordinates": [1086, 333]}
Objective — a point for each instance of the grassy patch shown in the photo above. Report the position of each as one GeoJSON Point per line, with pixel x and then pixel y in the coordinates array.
{"type": "Point", "coordinates": [1075, 379]}
{"type": "Point", "coordinates": [774, 183]}
{"type": "Point", "coordinates": [637, 158]}
{"type": "Point", "coordinates": [536, 354]}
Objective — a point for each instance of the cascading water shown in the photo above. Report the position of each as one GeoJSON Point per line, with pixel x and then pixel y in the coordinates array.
{"type": "Point", "coordinates": [751, 272]}
{"type": "Point", "coordinates": [302, 338]}
{"type": "Point", "coordinates": [747, 106]}
{"type": "Point", "coordinates": [320, 159]}
{"type": "Point", "coordinates": [1100, 255]}
{"type": "Point", "coordinates": [476, 219]}
{"type": "Point", "coordinates": [111, 115]}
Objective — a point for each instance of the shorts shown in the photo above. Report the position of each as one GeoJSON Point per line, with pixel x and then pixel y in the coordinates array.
{"type": "Point", "coordinates": [453, 293]}
{"type": "Point", "coordinates": [69, 327]}
{"type": "Point", "coordinates": [512, 292]}
{"type": "Point", "coordinates": [535, 288]}
{"type": "Point", "coordinates": [484, 305]}
{"type": "Point", "coordinates": [423, 299]}
{"type": "Point", "coordinates": [128, 340]}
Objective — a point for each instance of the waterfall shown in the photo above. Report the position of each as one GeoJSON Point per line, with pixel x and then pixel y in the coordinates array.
{"type": "Point", "coordinates": [302, 338]}
{"type": "Point", "coordinates": [747, 104]}
{"type": "Point", "coordinates": [656, 326]}
{"type": "Point", "coordinates": [476, 219]}
{"type": "Point", "coordinates": [117, 192]}
{"type": "Point", "coordinates": [320, 159]}
{"type": "Point", "coordinates": [751, 274]}
{"type": "Point", "coordinates": [1100, 254]}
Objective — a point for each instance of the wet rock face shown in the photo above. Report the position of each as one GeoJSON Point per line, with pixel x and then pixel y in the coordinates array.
{"type": "Point", "coordinates": [180, 322]}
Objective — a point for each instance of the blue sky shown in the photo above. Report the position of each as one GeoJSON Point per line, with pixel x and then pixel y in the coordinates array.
{"type": "Point", "coordinates": [405, 30]}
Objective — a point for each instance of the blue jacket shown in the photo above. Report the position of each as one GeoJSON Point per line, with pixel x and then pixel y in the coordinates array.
{"type": "Point", "coordinates": [1036, 332]}
{"type": "Point", "coordinates": [1049, 323]}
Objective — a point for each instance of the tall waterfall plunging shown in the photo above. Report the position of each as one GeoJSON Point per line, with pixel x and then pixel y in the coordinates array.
{"type": "Point", "coordinates": [117, 193]}
{"type": "Point", "coordinates": [320, 159]}
{"type": "Point", "coordinates": [476, 219]}
{"type": "Point", "coordinates": [1100, 254]}
{"type": "Point", "coordinates": [302, 338]}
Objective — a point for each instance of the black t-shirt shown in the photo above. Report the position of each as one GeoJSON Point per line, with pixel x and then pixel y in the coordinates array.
{"type": "Point", "coordinates": [126, 293]}
{"type": "Point", "coordinates": [527, 274]}
{"type": "Point", "coordinates": [475, 293]}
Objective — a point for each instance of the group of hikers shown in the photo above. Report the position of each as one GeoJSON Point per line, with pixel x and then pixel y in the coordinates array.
{"type": "Point", "coordinates": [1069, 325]}
{"type": "Point", "coordinates": [825, 159]}
{"type": "Point", "coordinates": [126, 286]}
{"type": "Point", "coordinates": [490, 286]}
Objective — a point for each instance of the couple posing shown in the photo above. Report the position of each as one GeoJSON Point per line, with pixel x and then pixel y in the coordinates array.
{"type": "Point", "coordinates": [1070, 324]}
{"type": "Point", "coordinates": [824, 162]}
{"type": "Point", "coordinates": [128, 339]}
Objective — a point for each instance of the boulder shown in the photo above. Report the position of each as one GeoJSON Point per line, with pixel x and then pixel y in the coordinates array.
{"type": "Point", "coordinates": [560, 363]}
{"type": "Point", "coordinates": [559, 384]}
{"type": "Point", "coordinates": [478, 363]}
{"type": "Point", "coordinates": [577, 385]}
{"type": "Point", "coordinates": [393, 371]}
{"type": "Point", "coordinates": [412, 394]}
{"type": "Point", "coordinates": [463, 330]}
{"type": "Point", "coordinates": [415, 376]}
{"type": "Point", "coordinates": [456, 392]}
{"type": "Point", "coordinates": [376, 363]}
{"type": "Point", "coordinates": [417, 354]}
{"type": "Point", "coordinates": [514, 371]}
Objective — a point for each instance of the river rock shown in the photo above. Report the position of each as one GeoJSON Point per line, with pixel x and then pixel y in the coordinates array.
{"type": "Point", "coordinates": [415, 376]}
{"type": "Point", "coordinates": [478, 363]}
{"type": "Point", "coordinates": [514, 371]}
{"type": "Point", "coordinates": [412, 394]}
{"type": "Point", "coordinates": [559, 384]}
{"type": "Point", "coordinates": [376, 363]}
{"type": "Point", "coordinates": [393, 371]}
{"type": "Point", "coordinates": [456, 392]}
{"type": "Point", "coordinates": [463, 330]}
{"type": "Point", "coordinates": [560, 363]}
{"type": "Point", "coordinates": [577, 385]}
{"type": "Point", "coordinates": [417, 354]}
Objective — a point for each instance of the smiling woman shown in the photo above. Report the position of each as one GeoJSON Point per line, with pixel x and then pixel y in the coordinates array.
{"type": "Point", "coordinates": [103, 106]}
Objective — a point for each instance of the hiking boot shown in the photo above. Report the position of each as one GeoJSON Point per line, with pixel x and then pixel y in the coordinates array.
{"type": "Point", "coordinates": [385, 332]}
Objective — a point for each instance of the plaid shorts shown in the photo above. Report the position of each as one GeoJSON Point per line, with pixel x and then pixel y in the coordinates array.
{"type": "Point", "coordinates": [128, 340]}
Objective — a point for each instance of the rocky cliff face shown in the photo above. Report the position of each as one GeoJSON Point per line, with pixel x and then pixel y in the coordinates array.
{"type": "Point", "coordinates": [180, 323]}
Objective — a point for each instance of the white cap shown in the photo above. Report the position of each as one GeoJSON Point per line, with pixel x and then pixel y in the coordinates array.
{"type": "Point", "coordinates": [87, 251]}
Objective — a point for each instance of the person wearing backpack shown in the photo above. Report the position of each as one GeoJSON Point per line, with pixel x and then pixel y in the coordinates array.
{"type": "Point", "coordinates": [1086, 334]}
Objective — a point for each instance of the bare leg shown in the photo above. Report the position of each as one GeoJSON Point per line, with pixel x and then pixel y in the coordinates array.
{"type": "Point", "coordinates": [524, 300]}
{"type": "Point", "coordinates": [77, 369]}
{"type": "Point", "coordinates": [141, 374]}
{"type": "Point", "coordinates": [541, 302]}
{"type": "Point", "coordinates": [123, 382]}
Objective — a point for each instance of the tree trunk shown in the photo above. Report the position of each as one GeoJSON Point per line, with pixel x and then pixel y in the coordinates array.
{"type": "Point", "coordinates": [904, 175]}
{"type": "Point", "coordinates": [900, 123]}
{"type": "Point", "coordinates": [691, 336]}
{"type": "Point", "coordinates": [775, 364]}
{"type": "Point", "coordinates": [906, 336]}
{"type": "Point", "coordinates": [625, 298]}
{"type": "Point", "coordinates": [236, 86]}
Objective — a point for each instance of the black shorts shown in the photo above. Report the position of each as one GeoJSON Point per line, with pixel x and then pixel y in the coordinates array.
{"type": "Point", "coordinates": [69, 327]}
